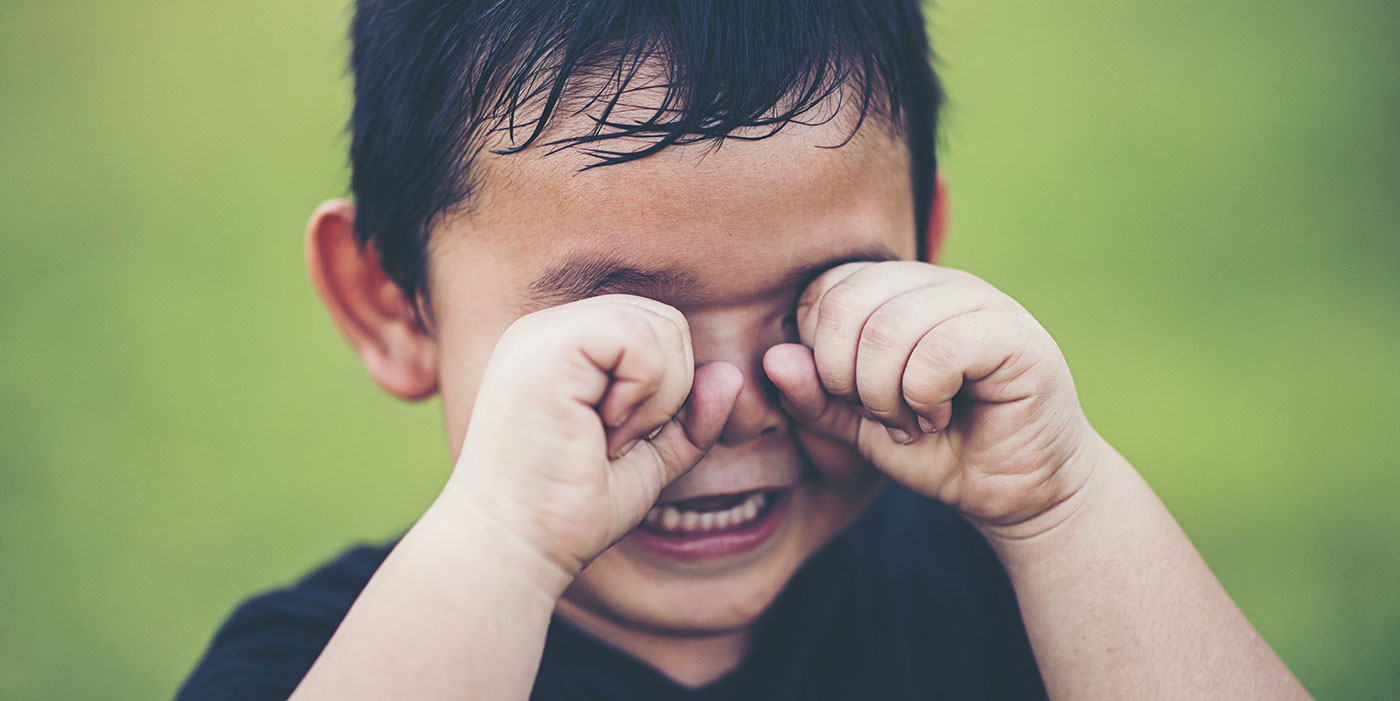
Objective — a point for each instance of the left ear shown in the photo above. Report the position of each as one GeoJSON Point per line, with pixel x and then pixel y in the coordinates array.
{"type": "Point", "coordinates": [937, 219]}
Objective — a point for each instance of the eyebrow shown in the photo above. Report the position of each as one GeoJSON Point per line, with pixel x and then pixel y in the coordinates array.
{"type": "Point", "coordinates": [578, 277]}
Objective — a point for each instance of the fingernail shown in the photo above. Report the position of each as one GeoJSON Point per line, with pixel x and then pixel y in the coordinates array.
{"type": "Point", "coordinates": [619, 421]}
{"type": "Point", "coordinates": [628, 446]}
{"type": "Point", "coordinates": [899, 436]}
{"type": "Point", "coordinates": [926, 426]}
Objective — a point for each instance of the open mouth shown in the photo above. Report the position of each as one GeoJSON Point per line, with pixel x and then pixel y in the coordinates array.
{"type": "Point", "coordinates": [711, 528]}
{"type": "Point", "coordinates": [710, 514]}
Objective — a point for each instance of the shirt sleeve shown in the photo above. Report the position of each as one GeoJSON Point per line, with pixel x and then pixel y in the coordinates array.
{"type": "Point", "coordinates": [270, 641]}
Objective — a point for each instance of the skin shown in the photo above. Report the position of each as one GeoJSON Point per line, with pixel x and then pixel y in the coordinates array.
{"type": "Point", "coordinates": [762, 359]}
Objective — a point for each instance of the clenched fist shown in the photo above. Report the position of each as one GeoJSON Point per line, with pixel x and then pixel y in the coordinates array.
{"type": "Point", "coordinates": [943, 383]}
{"type": "Point", "coordinates": [585, 412]}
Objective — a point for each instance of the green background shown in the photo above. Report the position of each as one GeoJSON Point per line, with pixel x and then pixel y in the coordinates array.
{"type": "Point", "coordinates": [1198, 199]}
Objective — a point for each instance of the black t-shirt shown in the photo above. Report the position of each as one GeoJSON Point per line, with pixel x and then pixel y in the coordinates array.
{"type": "Point", "coordinates": [907, 603]}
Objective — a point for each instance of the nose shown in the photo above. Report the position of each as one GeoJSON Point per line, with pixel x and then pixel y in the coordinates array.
{"type": "Point", "coordinates": [757, 412]}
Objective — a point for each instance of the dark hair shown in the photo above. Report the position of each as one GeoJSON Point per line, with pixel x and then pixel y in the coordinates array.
{"type": "Point", "coordinates": [434, 77]}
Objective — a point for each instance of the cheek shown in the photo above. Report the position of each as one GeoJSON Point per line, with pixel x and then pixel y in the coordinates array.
{"type": "Point", "coordinates": [459, 382]}
{"type": "Point", "coordinates": [832, 506]}
{"type": "Point", "coordinates": [462, 356]}
{"type": "Point", "coordinates": [840, 481]}
{"type": "Point", "coordinates": [470, 276]}
{"type": "Point", "coordinates": [835, 467]}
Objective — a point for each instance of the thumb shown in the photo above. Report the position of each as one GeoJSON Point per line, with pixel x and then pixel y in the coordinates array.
{"type": "Point", "coordinates": [792, 369]}
{"type": "Point", "coordinates": [697, 426]}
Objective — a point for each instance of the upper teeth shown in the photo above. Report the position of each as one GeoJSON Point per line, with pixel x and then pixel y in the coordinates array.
{"type": "Point", "coordinates": [670, 518]}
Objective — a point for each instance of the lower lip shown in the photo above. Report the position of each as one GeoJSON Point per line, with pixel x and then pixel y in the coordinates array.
{"type": "Point", "coordinates": [691, 547]}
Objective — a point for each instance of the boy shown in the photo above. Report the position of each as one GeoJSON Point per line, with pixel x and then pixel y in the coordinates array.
{"type": "Point", "coordinates": [718, 433]}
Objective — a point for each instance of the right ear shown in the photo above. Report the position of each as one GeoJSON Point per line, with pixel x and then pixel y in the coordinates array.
{"type": "Point", "coordinates": [371, 311]}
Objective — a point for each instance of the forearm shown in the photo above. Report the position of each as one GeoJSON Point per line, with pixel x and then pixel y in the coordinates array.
{"type": "Point", "coordinates": [458, 610]}
{"type": "Point", "coordinates": [1118, 603]}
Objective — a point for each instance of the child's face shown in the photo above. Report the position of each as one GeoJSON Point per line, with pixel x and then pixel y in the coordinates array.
{"type": "Point", "coordinates": [737, 230]}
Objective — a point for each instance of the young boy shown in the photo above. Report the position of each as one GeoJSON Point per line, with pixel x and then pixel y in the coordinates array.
{"type": "Point", "coordinates": [718, 432]}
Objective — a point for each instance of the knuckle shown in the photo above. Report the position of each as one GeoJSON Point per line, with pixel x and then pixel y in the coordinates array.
{"type": "Point", "coordinates": [840, 387]}
{"type": "Point", "coordinates": [661, 309]}
{"type": "Point", "coordinates": [835, 308]}
{"type": "Point", "coordinates": [644, 366]}
{"type": "Point", "coordinates": [535, 333]}
{"type": "Point", "coordinates": [884, 405]}
{"type": "Point", "coordinates": [649, 383]}
{"type": "Point", "coordinates": [526, 324]}
{"type": "Point", "coordinates": [1002, 324]}
{"type": "Point", "coordinates": [966, 279]}
{"type": "Point", "coordinates": [884, 331]}
{"type": "Point", "coordinates": [819, 288]}
{"type": "Point", "coordinates": [835, 274]}
{"type": "Point", "coordinates": [807, 301]}
{"type": "Point", "coordinates": [923, 399]}
{"type": "Point", "coordinates": [676, 324]}
{"type": "Point", "coordinates": [650, 364]}
{"type": "Point", "coordinates": [834, 373]}
{"type": "Point", "coordinates": [669, 313]}
{"type": "Point", "coordinates": [628, 324]}
{"type": "Point", "coordinates": [668, 324]}
{"type": "Point", "coordinates": [972, 287]}
{"type": "Point", "coordinates": [930, 378]}
{"type": "Point", "coordinates": [934, 353]}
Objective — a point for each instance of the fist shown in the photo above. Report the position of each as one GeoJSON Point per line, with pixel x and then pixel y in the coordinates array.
{"type": "Point", "coordinates": [940, 381]}
{"type": "Point", "coordinates": [584, 413]}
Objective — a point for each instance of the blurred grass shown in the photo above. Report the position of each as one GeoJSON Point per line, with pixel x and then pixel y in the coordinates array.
{"type": "Point", "coordinates": [1200, 200]}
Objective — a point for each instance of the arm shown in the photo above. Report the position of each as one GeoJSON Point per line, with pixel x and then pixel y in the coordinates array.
{"type": "Point", "coordinates": [1118, 604]}
{"type": "Point", "coordinates": [950, 387]}
{"type": "Point", "coordinates": [584, 413]}
{"type": "Point", "coordinates": [434, 622]}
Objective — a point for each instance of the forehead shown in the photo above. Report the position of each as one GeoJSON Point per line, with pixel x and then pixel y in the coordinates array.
{"type": "Point", "coordinates": [729, 218]}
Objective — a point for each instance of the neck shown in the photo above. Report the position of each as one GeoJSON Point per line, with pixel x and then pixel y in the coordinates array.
{"type": "Point", "coordinates": [689, 660]}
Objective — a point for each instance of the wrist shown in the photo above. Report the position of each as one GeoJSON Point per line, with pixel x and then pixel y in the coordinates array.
{"type": "Point", "coordinates": [493, 530]}
{"type": "Point", "coordinates": [1091, 477]}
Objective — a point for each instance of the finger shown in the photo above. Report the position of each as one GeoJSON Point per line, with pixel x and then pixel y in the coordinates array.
{"type": "Point", "coordinates": [921, 274]}
{"type": "Point", "coordinates": [888, 340]}
{"type": "Point", "coordinates": [651, 402]}
{"type": "Point", "coordinates": [810, 301]}
{"type": "Point", "coordinates": [660, 309]}
{"type": "Point", "coordinates": [966, 349]}
{"type": "Point", "coordinates": [684, 440]}
{"type": "Point", "coordinates": [611, 359]}
{"type": "Point", "coordinates": [791, 368]}
{"type": "Point", "coordinates": [842, 311]}
{"type": "Point", "coordinates": [635, 370]}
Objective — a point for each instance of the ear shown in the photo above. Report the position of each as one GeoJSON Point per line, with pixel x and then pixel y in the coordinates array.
{"type": "Point", "coordinates": [370, 310]}
{"type": "Point", "coordinates": [937, 219]}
